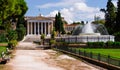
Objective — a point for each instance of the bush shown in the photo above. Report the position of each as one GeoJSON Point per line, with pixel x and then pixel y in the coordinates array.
{"type": "Point", "coordinates": [12, 35]}
{"type": "Point", "coordinates": [117, 36]}
{"type": "Point", "coordinates": [116, 44]}
{"type": "Point", "coordinates": [12, 44]}
{"type": "Point", "coordinates": [90, 44]}
{"type": "Point", "coordinates": [42, 36]}
{"type": "Point", "coordinates": [53, 34]}
{"type": "Point", "coordinates": [95, 44]}
{"type": "Point", "coordinates": [3, 38]}
{"type": "Point", "coordinates": [109, 44]}
{"type": "Point", "coordinates": [52, 42]}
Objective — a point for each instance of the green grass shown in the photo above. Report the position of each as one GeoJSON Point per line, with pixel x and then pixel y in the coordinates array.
{"type": "Point", "coordinates": [111, 52]}
{"type": "Point", "coordinates": [2, 48]}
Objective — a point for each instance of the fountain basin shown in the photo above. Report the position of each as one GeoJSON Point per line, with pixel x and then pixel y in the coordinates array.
{"type": "Point", "coordinates": [89, 34]}
{"type": "Point", "coordinates": [86, 38]}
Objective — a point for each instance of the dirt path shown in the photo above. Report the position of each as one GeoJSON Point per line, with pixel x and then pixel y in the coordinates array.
{"type": "Point", "coordinates": [44, 60]}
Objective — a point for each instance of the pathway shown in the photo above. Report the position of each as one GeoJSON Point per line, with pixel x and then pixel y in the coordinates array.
{"type": "Point", "coordinates": [44, 60]}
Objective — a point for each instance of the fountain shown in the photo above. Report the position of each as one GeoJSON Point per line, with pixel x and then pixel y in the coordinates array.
{"type": "Point", "coordinates": [88, 29]}
{"type": "Point", "coordinates": [90, 33]}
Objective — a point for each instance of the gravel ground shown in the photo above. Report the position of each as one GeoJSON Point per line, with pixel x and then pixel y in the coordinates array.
{"type": "Point", "coordinates": [43, 60]}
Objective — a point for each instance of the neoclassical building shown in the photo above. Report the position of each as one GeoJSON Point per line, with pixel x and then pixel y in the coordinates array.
{"type": "Point", "coordinates": [39, 25]}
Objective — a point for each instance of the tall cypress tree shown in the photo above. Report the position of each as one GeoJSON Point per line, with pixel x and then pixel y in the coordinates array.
{"type": "Point", "coordinates": [59, 23]}
{"type": "Point", "coordinates": [117, 27]}
{"type": "Point", "coordinates": [110, 16]}
{"type": "Point", "coordinates": [56, 23]}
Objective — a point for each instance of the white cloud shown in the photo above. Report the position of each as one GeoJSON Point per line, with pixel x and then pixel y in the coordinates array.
{"type": "Point", "coordinates": [53, 13]}
{"type": "Point", "coordinates": [84, 8]}
{"type": "Point", "coordinates": [67, 14]}
{"type": "Point", "coordinates": [74, 10]}
{"type": "Point", "coordinates": [62, 3]}
{"type": "Point", "coordinates": [115, 2]}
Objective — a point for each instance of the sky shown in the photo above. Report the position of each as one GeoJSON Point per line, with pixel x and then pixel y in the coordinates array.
{"type": "Point", "coordinates": [71, 10]}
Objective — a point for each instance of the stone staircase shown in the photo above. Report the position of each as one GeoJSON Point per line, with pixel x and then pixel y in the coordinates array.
{"type": "Point", "coordinates": [31, 38]}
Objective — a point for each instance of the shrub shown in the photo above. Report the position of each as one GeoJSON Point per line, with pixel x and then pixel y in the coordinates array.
{"type": "Point", "coordinates": [12, 44]}
{"type": "Point", "coordinates": [3, 38]}
{"type": "Point", "coordinates": [116, 44]}
{"type": "Point", "coordinates": [53, 34]}
{"type": "Point", "coordinates": [117, 36]}
{"type": "Point", "coordinates": [90, 44]}
{"type": "Point", "coordinates": [52, 42]}
{"type": "Point", "coordinates": [109, 44]}
{"type": "Point", "coordinates": [12, 35]}
{"type": "Point", "coordinates": [95, 44]}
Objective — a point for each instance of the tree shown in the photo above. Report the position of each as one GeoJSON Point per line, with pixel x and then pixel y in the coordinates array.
{"type": "Point", "coordinates": [59, 24]}
{"type": "Point", "coordinates": [11, 10]}
{"type": "Point", "coordinates": [21, 31]}
{"type": "Point", "coordinates": [117, 26]}
{"type": "Point", "coordinates": [110, 16]}
{"type": "Point", "coordinates": [56, 23]}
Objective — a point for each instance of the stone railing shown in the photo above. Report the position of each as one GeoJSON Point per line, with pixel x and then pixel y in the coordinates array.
{"type": "Point", "coordinates": [76, 39]}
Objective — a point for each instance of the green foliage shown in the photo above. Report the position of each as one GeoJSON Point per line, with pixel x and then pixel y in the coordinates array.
{"type": "Point", "coordinates": [3, 37]}
{"type": "Point", "coordinates": [12, 44]}
{"type": "Point", "coordinates": [117, 36]}
{"type": "Point", "coordinates": [12, 35]}
{"type": "Point", "coordinates": [42, 36]}
{"type": "Point", "coordinates": [117, 26]}
{"type": "Point", "coordinates": [2, 49]}
{"type": "Point", "coordinates": [109, 44]}
{"type": "Point", "coordinates": [11, 11]}
{"type": "Point", "coordinates": [59, 23]}
{"type": "Point", "coordinates": [53, 34]}
{"type": "Point", "coordinates": [110, 16]}
{"type": "Point", "coordinates": [99, 21]}
{"type": "Point", "coordinates": [116, 44]}
{"type": "Point", "coordinates": [52, 42]}
{"type": "Point", "coordinates": [95, 44]}
{"type": "Point", "coordinates": [21, 32]}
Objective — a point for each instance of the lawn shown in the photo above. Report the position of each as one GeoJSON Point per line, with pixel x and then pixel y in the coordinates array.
{"type": "Point", "coordinates": [111, 52]}
{"type": "Point", "coordinates": [2, 48]}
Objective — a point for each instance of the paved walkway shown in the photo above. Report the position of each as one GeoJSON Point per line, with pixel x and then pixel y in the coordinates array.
{"type": "Point", "coordinates": [30, 60]}
{"type": "Point", "coordinates": [44, 60]}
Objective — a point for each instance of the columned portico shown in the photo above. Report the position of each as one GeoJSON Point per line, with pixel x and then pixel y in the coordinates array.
{"type": "Point", "coordinates": [36, 27]}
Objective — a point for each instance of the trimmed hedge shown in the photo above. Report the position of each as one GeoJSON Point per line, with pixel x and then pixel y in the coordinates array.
{"type": "Point", "coordinates": [95, 44]}
{"type": "Point", "coordinates": [108, 44]}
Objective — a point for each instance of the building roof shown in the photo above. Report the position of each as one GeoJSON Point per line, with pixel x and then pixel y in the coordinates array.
{"type": "Point", "coordinates": [40, 18]}
{"type": "Point", "coordinates": [37, 18]}
{"type": "Point", "coordinates": [71, 24]}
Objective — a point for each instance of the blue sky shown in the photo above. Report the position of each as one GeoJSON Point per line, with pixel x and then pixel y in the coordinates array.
{"type": "Point", "coordinates": [71, 10]}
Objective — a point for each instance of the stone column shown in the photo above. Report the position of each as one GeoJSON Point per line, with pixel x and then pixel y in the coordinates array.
{"type": "Point", "coordinates": [31, 28]}
{"type": "Point", "coordinates": [49, 28]}
{"type": "Point", "coordinates": [41, 28]}
{"type": "Point", "coordinates": [51, 23]}
{"type": "Point", "coordinates": [35, 28]}
{"type": "Point", "coordinates": [45, 27]}
{"type": "Point", "coordinates": [27, 28]}
{"type": "Point", "coordinates": [38, 28]}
